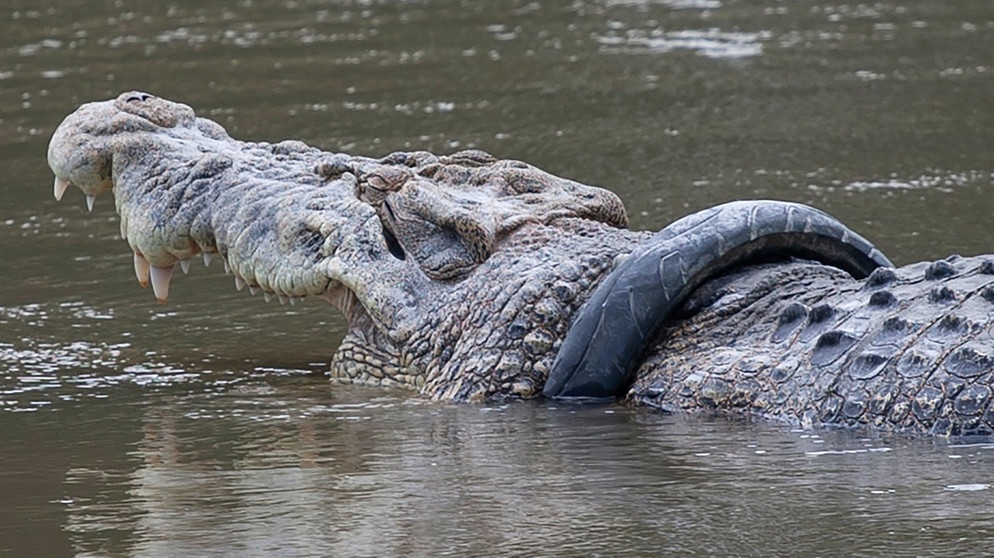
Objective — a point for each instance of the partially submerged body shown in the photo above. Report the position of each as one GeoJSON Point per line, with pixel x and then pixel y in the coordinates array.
{"type": "Point", "coordinates": [907, 349]}
{"type": "Point", "coordinates": [461, 275]}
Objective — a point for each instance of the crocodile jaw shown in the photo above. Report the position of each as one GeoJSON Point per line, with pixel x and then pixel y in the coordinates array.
{"type": "Point", "coordinates": [183, 187]}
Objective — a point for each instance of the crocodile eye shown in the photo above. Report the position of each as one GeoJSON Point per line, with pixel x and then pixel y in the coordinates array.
{"type": "Point", "coordinates": [393, 245]}
{"type": "Point", "coordinates": [378, 182]}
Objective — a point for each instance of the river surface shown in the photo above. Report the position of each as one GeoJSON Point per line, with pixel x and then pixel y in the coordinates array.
{"type": "Point", "coordinates": [205, 427]}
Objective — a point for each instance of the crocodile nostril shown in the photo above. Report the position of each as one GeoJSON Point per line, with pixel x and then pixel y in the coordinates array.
{"type": "Point", "coordinates": [139, 98]}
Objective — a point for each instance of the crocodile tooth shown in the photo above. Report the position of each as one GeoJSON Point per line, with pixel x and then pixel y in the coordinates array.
{"type": "Point", "coordinates": [282, 300]}
{"type": "Point", "coordinates": [293, 301]}
{"type": "Point", "coordinates": [239, 283]}
{"type": "Point", "coordinates": [207, 259]}
{"type": "Point", "coordinates": [266, 295]}
{"type": "Point", "coordinates": [160, 282]}
{"type": "Point", "coordinates": [141, 270]}
{"type": "Point", "coordinates": [89, 201]}
{"type": "Point", "coordinates": [227, 268]}
{"type": "Point", "coordinates": [185, 266]}
{"type": "Point", "coordinates": [124, 229]}
{"type": "Point", "coordinates": [61, 185]}
{"type": "Point", "coordinates": [253, 290]}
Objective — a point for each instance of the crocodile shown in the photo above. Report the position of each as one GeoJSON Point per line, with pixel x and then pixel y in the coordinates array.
{"type": "Point", "coordinates": [465, 277]}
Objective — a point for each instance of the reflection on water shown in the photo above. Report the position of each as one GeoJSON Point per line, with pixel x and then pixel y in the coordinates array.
{"type": "Point", "coordinates": [205, 427]}
{"type": "Point", "coordinates": [366, 473]}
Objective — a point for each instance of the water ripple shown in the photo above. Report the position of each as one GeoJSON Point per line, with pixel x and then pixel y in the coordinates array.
{"type": "Point", "coordinates": [712, 43]}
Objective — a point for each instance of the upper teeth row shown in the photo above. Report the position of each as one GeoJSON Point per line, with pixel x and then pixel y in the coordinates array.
{"type": "Point", "coordinates": [161, 276]}
{"type": "Point", "coordinates": [61, 185]}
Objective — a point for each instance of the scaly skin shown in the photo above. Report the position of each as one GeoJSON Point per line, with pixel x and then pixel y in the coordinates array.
{"type": "Point", "coordinates": [460, 275]}
{"type": "Point", "coordinates": [910, 349]}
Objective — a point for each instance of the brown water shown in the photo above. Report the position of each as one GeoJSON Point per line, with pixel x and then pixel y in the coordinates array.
{"type": "Point", "coordinates": [205, 427]}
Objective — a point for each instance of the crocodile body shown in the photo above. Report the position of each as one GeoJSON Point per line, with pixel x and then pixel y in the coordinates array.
{"type": "Point", "coordinates": [461, 275]}
{"type": "Point", "coordinates": [908, 349]}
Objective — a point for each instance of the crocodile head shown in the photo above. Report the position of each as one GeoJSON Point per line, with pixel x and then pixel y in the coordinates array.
{"type": "Point", "coordinates": [457, 274]}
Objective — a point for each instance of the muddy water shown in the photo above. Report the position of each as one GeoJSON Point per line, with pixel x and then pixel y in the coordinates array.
{"type": "Point", "coordinates": [204, 427]}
